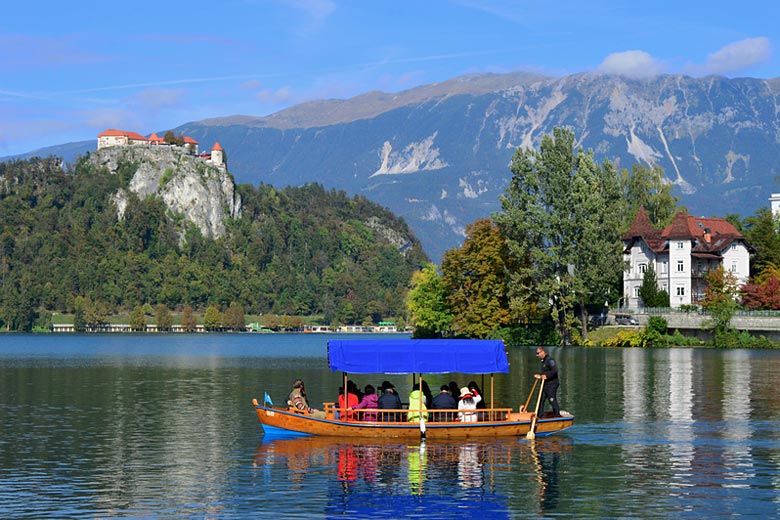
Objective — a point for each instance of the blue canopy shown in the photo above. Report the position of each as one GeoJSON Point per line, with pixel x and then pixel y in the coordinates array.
{"type": "Point", "coordinates": [425, 356]}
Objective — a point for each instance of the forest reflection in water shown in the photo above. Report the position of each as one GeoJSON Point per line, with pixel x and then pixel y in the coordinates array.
{"type": "Point", "coordinates": [386, 478]}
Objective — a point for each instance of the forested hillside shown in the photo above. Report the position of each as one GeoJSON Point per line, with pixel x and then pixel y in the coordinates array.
{"type": "Point", "coordinates": [296, 251]}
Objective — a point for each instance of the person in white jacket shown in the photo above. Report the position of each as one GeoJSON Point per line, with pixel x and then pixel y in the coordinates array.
{"type": "Point", "coordinates": [468, 401]}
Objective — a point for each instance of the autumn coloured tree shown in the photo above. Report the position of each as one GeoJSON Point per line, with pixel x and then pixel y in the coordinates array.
{"type": "Point", "coordinates": [138, 318]}
{"type": "Point", "coordinates": [721, 298]}
{"type": "Point", "coordinates": [188, 321]}
{"type": "Point", "coordinates": [475, 279]}
{"type": "Point", "coordinates": [163, 318]}
{"type": "Point", "coordinates": [763, 291]}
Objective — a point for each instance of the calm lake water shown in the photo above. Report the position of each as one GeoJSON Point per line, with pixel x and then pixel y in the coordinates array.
{"type": "Point", "coordinates": [162, 426]}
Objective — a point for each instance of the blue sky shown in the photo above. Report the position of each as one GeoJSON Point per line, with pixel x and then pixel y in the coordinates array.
{"type": "Point", "coordinates": [72, 69]}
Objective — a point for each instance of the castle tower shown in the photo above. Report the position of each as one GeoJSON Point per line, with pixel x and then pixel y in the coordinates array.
{"type": "Point", "coordinates": [217, 155]}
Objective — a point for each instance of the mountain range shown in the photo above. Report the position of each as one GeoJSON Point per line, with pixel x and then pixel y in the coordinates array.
{"type": "Point", "coordinates": [438, 155]}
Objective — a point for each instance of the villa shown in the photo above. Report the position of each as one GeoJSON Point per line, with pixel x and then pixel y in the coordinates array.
{"type": "Point", "coordinates": [682, 254]}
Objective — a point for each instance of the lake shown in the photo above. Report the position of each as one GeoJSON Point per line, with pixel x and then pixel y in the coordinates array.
{"type": "Point", "coordinates": [96, 426]}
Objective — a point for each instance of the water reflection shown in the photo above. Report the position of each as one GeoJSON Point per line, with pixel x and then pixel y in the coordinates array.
{"type": "Point", "coordinates": [444, 478]}
{"type": "Point", "coordinates": [737, 454]}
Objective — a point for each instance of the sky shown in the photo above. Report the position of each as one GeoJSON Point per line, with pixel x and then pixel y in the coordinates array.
{"type": "Point", "coordinates": [73, 69]}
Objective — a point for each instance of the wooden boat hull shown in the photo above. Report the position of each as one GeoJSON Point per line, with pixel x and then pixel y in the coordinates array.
{"type": "Point", "coordinates": [282, 422]}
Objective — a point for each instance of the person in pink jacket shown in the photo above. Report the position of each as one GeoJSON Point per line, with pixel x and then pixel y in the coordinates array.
{"type": "Point", "coordinates": [369, 402]}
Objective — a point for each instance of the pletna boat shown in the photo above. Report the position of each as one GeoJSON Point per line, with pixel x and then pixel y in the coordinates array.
{"type": "Point", "coordinates": [417, 357]}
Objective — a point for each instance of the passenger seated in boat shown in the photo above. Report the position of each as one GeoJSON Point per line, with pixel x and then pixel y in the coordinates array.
{"type": "Point", "coordinates": [427, 393]}
{"type": "Point", "coordinates": [416, 406]}
{"type": "Point", "coordinates": [468, 401]}
{"type": "Point", "coordinates": [475, 389]}
{"type": "Point", "coordinates": [389, 401]}
{"type": "Point", "coordinates": [298, 401]}
{"type": "Point", "coordinates": [444, 401]}
{"type": "Point", "coordinates": [370, 402]}
{"type": "Point", "coordinates": [351, 402]}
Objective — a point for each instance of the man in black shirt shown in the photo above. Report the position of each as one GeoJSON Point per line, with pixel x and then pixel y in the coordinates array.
{"type": "Point", "coordinates": [444, 401]}
{"type": "Point", "coordinates": [389, 401]}
{"type": "Point", "coordinates": [549, 375]}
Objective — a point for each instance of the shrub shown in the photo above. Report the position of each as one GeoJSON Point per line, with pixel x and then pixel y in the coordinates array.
{"type": "Point", "coordinates": [658, 324]}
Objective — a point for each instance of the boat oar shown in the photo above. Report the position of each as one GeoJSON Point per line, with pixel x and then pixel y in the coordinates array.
{"type": "Point", "coordinates": [531, 434]}
{"type": "Point", "coordinates": [527, 401]}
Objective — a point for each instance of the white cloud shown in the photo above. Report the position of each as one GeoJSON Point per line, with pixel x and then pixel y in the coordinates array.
{"type": "Point", "coordinates": [632, 64]}
{"type": "Point", "coordinates": [738, 56]}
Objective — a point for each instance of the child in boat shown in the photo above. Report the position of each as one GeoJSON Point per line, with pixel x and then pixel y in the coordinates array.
{"type": "Point", "coordinates": [369, 402]}
{"type": "Point", "coordinates": [468, 401]}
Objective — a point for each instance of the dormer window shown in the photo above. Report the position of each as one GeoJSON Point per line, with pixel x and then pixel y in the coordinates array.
{"type": "Point", "coordinates": [680, 245]}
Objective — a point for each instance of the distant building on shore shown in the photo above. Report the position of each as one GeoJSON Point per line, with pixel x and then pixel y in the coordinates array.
{"type": "Point", "coordinates": [113, 137]}
{"type": "Point", "coordinates": [774, 202]}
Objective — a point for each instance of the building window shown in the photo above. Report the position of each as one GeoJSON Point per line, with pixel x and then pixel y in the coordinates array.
{"type": "Point", "coordinates": [680, 245]}
{"type": "Point", "coordinates": [680, 266]}
{"type": "Point", "coordinates": [734, 246]}
{"type": "Point", "coordinates": [734, 268]}
{"type": "Point", "coordinates": [664, 267]}
{"type": "Point", "coordinates": [642, 268]}
{"type": "Point", "coordinates": [681, 291]}
{"type": "Point", "coordinates": [636, 292]}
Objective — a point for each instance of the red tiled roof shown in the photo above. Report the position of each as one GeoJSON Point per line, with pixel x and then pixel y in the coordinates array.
{"type": "Point", "coordinates": [687, 226]}
{"type": "Point", "coordinates": [678, 228]}
{"type": "Point", "coordinates": [119, 133]}
{"type": "Point", "coordinates": [641, 227]}
{"type": "Point", "coordinates": [216, 146]}
{"type": "Point", "coordinates": [709, 235]}
{"type": "Point", "coordinates": [189, 140]}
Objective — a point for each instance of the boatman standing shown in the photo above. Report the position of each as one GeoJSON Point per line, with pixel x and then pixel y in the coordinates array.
{"type": "Point", "coordinates": [549, 375]}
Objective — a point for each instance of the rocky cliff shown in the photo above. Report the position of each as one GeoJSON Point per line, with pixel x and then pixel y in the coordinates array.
{"type": "Point", "coordinates": [203, 193]}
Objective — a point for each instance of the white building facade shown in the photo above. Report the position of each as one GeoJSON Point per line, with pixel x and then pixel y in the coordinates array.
{"type": "Point", "coordinates": [682, 254]}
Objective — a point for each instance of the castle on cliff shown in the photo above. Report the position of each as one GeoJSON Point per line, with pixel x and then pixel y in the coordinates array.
{"type": "Point", "coordinates": [112, 137]}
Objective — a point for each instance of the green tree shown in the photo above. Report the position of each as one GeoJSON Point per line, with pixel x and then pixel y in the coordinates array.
{"type": "Point", "coordinates": [762, 231]}
{"type": "Point", "coordinates": [561, 211]}
{"type": "Point", "coordinates": [212, 318]}
{"type": "Point", "coordinates": [648, 188]}
{"type": "Point", "coordinates": [427, 304]}
{"type": "Point", "coordinates": [138, 318]}
{"type": "Point", "coordinates": [188, 321]}
{"type": "Point", "coordinates": [474, 277]}
{"type": "Point", "coordinates": [79, 320]}
{"type": "Point", "coordinates": [649, 292]}
{"type": "Point", "coordinates": [163, 318]}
